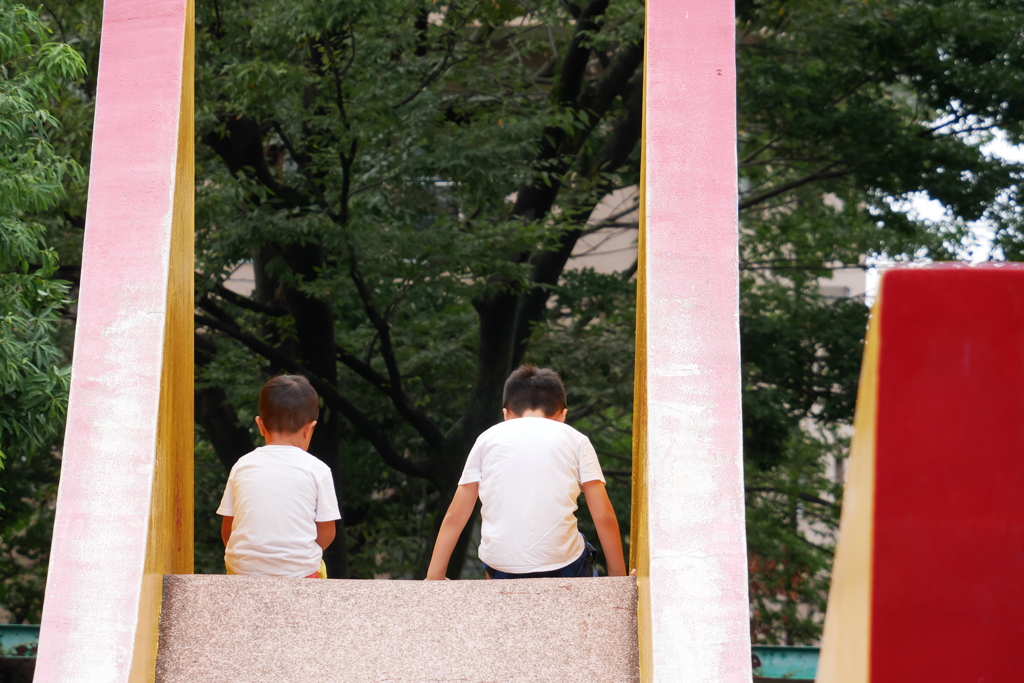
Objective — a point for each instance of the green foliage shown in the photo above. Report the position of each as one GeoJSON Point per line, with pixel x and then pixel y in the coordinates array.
{"type": "Point", "coordinates": [412, 169]}
{"type": "Point", "coordinates": [29, 484]}
{"type": "Point", "coordinates": [33, 376]}
{"type": "Point", "coordinates": [792, 519]}
{"type": "Point", "coordinates": [801, 358]}
{"type": "Point", "coordinates": [893, 98]}
{"type": "Point", "coordinates": [847, 110]}
{"type": "Point", "coordinates": [210, 479]}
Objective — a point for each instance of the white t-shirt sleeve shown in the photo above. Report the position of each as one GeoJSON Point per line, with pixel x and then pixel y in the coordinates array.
{"type": "Point", "coordinates": [471, 472]}
{"type": "Point", "coordinates": [589, 467]}
{"type": "Point", "coordinates": [326, 499]}
{"type": "Point", "coordinates": [227, 501]}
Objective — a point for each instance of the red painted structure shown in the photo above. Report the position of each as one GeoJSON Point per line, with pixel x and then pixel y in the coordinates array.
{"type": "Point", "coordinates": [948, 588]}
{"type": "Point", "coordinates": [926, 584]}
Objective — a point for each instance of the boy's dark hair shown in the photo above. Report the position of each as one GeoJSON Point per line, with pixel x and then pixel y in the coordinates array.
{"type": "Point", "coordinates": [288, 403]}
{"type": "Point", "coordinates": [533, 388]}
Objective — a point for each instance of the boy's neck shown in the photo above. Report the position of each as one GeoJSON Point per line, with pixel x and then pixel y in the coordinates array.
{"type": "Point", "coordinates": [300, 438]}
{"type": "Point", "coordinates": [534, 412]}
{"type": "Point", "coordinates": [285, 439]}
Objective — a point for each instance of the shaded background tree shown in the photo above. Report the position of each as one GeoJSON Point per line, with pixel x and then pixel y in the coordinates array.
{"type": "Point", "coordinates": [408, 184]}
{"type": "Point", "coordinates": [848, 109]}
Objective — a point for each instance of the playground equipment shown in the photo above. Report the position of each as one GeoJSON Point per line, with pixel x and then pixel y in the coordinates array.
{"type": "Point", "coordinates": [124, 507]}
{"type": "Point", "coordinates": [926, 584]}
{"type": "Point", "coordinates": [772, 663]}
{"type": "Point", "coordinates": [688, 536]}
{"type": "Point", "coordinates": [927, 577]}
{"type": "Point", "coordinates": [124, 511]}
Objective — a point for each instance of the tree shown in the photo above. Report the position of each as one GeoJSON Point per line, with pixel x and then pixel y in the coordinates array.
{"type": "Point", "coordinates": [34, 373]}
{"type": "Point", "coordinates": [408, 185]}
{"type": "Point", "coordinates": [847, 109]}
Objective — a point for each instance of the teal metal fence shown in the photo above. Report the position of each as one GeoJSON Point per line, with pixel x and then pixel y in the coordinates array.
{"type": "Point", "coordinates": [771, 662]}
{"type": "Point", "coordinates": [19, 640]}
{"type": "Point", "coordinates": [784, 663]}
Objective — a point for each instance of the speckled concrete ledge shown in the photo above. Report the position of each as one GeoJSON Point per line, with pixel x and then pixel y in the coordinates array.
{"type": "Point", "coordinates": [221, 629]}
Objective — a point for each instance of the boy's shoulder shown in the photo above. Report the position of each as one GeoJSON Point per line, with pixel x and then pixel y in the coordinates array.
{"type": "Point", "coordinates": [269, 457]}
{"type": "Point", "coordinates": [524, 425]}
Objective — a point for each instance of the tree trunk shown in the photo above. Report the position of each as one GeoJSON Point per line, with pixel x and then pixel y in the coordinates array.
{"type": "Point", "coordinates": [314, 323]}
{"type": "Point", "coordinates": [216, 416]}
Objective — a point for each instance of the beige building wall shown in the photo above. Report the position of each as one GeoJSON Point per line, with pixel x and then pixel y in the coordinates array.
{"type": "Point", "coordinates": [611, 247]}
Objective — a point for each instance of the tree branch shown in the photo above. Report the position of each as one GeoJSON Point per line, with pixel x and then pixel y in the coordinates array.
{"type": "Point", "coordinates": [377, 380]}
{"type": "Point", "coordinates": [753, 155]}
{"type": "Point", "coordinates": [548, 265]}
{"type": "Point", "coordinates": [245, 302]}
{"type": "Point", "coordinates": [616, 79]}
{"type": "Point", "coordinates": [570, 78]}
{"type": "Point", "coordinates": [823, 173]}
{"type": "Point", "coordinates": [216, 311]}
{"type": "Point", "coordinates": [431, 75]}
{"type": "Point", "coordinates": [310, 180]}
{"type": "Point", "coordinates": [802, 496]}
{"type": "Point", "coordinates": [330, 394]}
{"type": "Point", "coordinates": [793, 264]}
{"type": "Point", "coordinates": [241, 149]}
{"type": "Point", "coordinates": [580, 413]}
{"type": "Point", "coordinates": [612, 220]}
{"type": "Point", "coordinates": [419, 420]}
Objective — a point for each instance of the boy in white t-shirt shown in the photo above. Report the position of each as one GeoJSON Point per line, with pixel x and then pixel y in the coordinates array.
{"type": "Point", "coordinates": [279, 505]}
{"type": "Point", "coordinates": [528, 472]}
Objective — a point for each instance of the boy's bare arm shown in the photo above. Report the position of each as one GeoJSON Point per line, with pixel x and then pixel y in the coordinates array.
{"type": "Point", "coordinates": [454, 522]}
{"type": "Point", "coordinates": [607, 526]}
{"type": "Point", "coordinates": [325, 532]}
{"type": "Point", "coordinates": [225, 529]}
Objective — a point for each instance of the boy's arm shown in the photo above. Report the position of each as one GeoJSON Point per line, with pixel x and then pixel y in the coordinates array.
{"type": "Point", "coordinates": [607, 526]}
{"type": "Point", "coordinates": [325, 532]}
{"type": "Point", "coordinates": [454, 522]}
{"type": "Point", "coordinates": [225, 529]}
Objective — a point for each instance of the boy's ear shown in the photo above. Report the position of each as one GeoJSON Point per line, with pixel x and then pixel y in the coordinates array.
{"type": "Point", "coordinates": [560, 416]}
{"type": "Point", "coordinates": [262, 427]}
{"type": "Point", "coordinates": [506, 415]}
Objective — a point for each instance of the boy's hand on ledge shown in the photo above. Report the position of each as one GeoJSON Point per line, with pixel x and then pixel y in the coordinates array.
{"type": "Point", "coordinates": [452, 525]}
{"type": "Point", "coordinates": [607, 526]}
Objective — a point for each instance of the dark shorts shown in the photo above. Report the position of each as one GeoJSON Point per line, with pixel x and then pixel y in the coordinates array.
{"type": "Point", "coordinates": [581, 566]}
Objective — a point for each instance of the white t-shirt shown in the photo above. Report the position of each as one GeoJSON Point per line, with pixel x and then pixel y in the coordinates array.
{"type": "Point", "coordinates": [276, 495]}
{"type": "Point", "coordinates": [530, 470]}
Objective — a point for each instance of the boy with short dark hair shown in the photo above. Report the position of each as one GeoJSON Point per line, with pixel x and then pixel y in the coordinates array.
{"type": "Point", "coordinates": [528, 472]}
{"type": "Point", "coordinates": [279, 505]}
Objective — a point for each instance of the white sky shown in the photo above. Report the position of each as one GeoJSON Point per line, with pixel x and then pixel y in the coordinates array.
{"type": "Point", "coordinates": [980, 241]}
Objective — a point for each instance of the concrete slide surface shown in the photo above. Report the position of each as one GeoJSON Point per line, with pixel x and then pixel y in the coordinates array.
{"type": "Point", "coordinates": [216, 629]}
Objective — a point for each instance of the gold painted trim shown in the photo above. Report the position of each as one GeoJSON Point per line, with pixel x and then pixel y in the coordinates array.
{"type": "Point", "coordinates": [639, 548]}
{"type": "Point", "coordinates": [169, 543]}
{"type": "Point", "coordinates": [846, 644]}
